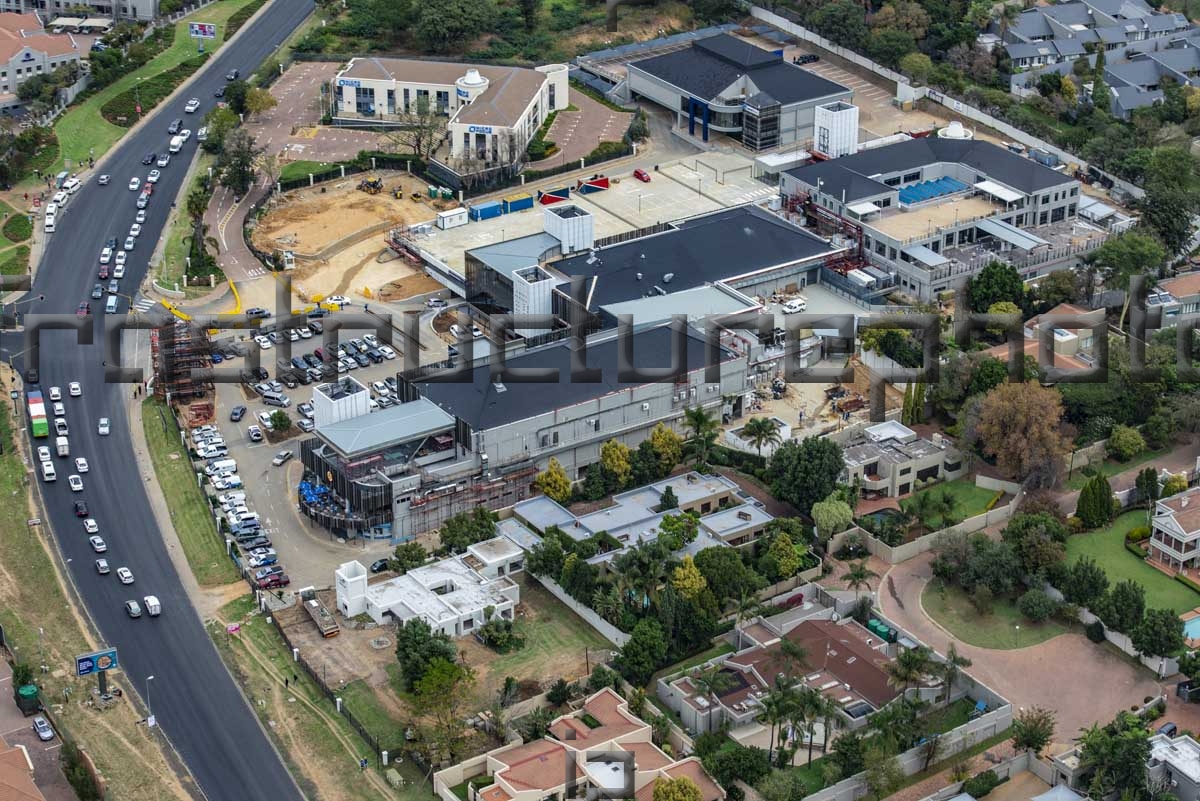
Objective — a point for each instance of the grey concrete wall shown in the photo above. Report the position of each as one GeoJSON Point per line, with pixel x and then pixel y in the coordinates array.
{"type": "Point", "coordinates": [606, 629]}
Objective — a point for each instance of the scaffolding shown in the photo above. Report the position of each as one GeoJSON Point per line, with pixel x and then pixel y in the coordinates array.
{"type": "Point", "coordinates": [181, 355]}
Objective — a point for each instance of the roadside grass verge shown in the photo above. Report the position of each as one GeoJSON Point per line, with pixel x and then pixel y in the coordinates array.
{"type": "Point", "coordinates": [177, 247]}
{"type": "Point", "coordinates": [189, 512]}
{"type": "Point", "coordinates": [15, 261]}
{"type": "Point", "coordinates": [302, 168]}
{"type": "Point", "coordinates": [951, 609]}
{"type": "Point", "coordinates": [1111, 467]}
{"type": "Point", "coordinates": [17, 227]}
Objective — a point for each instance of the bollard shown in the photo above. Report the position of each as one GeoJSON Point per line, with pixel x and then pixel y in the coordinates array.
{"type": "Point", "coordinates": [295, 654]}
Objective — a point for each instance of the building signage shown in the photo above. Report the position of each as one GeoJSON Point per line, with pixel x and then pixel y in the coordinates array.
{"type": "Point", "coordinates": [348, 82]}
{"type": "Point", "coordinates": [483, 129]}
{"type": "Point", "coordinates": [202, 30]}
{"type": "Point", "coordinates": [462, 92]}
{"type": "Point", "coordinates": [27, 56]}
{"type": "Point", "coordinates": [87, 664]}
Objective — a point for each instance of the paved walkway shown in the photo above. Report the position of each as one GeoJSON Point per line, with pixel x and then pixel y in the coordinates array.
{"type": "Point", "coordinates": [577, 133]}
{"type": "Point", "coordinates": [1179, 459]}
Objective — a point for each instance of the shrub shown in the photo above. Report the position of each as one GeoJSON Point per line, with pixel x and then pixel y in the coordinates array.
{"type": "Point", "coordinates": [1136, 550]}
{"type": "Point", "coordinates": [122, 109]}
{"type": "Point", "coordinates": [18, 228]}
{"type": "Point", "coordinates": [1138, 533]}
{"type": "Point", "coordinates": [559, 693]}
{"type": "Point", "coordinates": [238, 18]}
{"type": "Point", "coordinates": [1075, 524]}
{"type": "Point", "coordinates": [1036, 605]}
{"type": "Point", "coordinates": [1095, 631]}
{"type": "Point", "coordinates": [981, 784]}
{"type": "Point", "coordinates": [1125, 442]}
{"type": "Point", "coordinates": [1187, 582]}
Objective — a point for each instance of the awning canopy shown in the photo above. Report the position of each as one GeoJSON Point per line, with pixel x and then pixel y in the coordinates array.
{"type": "Point", "coordinates": [1011, 234]}
{"type": "Point", "coordinates": [96, 22]}
{"type": "Point", "coordinates": [863, 208]}
{"type": "Point", "coordinates": [1092, 209]}
{"type": "Point", "coordinates": [66, 22]}
{"type": "Point", "coordinates": [999, 192]}
{"type": "Point", "coordinates": [926, 256]}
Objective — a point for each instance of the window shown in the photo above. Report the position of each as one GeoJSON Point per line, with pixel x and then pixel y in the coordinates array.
{"type": "Point", "coordinates": [1074, 191]}
{"type": "Point", "coordinates": [443, 102]}
{"type": "Point", "coordinates": [552, 97]}
{"type": "Point", "coordinates": [892, 254]}
{"type": "Point", "coordinates": [881, 248]}
{"type": "Point", "coordinates": [892, 182]}
{"type": "Point", "coordinates": [407, 108]}
{"type": "Point", "coordinates": [1019, 220]}
{"type": "Point", "coordinates": [949, 239]}
{"type": "Point", "coordinates": [1045, 198]}
{"type": "Point", "coordinates": [883, 204]}
{"type": "Point", "coordinates": [1059, 214]}
{"type": "Point", "coordinates": [912, 176]}
{"type": "Point", "coordinates": [1042, 218]}
{"type": "Point", "coordinates": [903, 489]}
{"type": "Point", "coordinates": [904, 471]}
{"type": "Point", "coordinates": [1071, 210]}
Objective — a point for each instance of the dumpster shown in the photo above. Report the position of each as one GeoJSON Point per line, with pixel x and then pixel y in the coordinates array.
{"type": "Point", "coordinates": [433, 192]}
{"type": "Point", "coordinates": [518, 202]}
{"type": "Point", "coordinates": [447, 194]}
{"type": "Point", "coordinates": [487, 211]}
{"type": "Point", "coordinates": [27, 699]}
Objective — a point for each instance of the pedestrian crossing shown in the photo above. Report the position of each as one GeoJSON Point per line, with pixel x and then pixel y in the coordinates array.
{"type": "Point", "coordinates": [256, 272]}
{"type": "Point", "coordinates": [144, 305]}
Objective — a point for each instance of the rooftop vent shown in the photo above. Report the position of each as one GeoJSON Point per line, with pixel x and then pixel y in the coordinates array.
{"type": "Point", "coordinates": [667, 278]}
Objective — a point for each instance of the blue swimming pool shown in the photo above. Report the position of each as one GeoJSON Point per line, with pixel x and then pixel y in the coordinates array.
{"type": "Point", "coordinates": [1191, 628]}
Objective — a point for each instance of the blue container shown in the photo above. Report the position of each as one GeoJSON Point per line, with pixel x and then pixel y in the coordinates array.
{"type": "Point", "coordinates": [486, 211]}
{"type": "Point", "coordinates": [518, 203]}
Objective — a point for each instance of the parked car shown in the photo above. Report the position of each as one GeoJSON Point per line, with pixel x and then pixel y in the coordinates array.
{"type": "Point", "coordinates": [642, 175]}
{"type": "Point", "coordinates": [42, 726]}
{"type": "Point", "coordinates": [379, 565]}
{"type": "Point", "coordinates": [255, 433]}
{"type": "Point", "coordinates": [274, 582]}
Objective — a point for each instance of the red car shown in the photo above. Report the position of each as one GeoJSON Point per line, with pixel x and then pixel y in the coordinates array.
{"type": "Point", "coordinates": [642, 176]}
{"type": "Point", "coordinates": [274, 582]}
{"type": "Point", "coordinates": [103, 272]}
{"type": "Point", "coordinates": [148, 189]}
{"type": "Point", "coordinates": [84, 309]}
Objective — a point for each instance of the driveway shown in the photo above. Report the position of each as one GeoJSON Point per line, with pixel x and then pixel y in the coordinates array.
{"type": "Point", "coordinates": [1181, 458]}
{"type": "Point", "coordinates": [577, 133]}
{"type": "Point", "coordinates": [16, 729]}
{"type": "Point", "coordinates": [1063, 674]}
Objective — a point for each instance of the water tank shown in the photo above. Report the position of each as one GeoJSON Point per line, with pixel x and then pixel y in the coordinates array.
{"type": "Point", "coordinates": [470, 86]}
{"type": "Point", "coordinates": [955, 130]}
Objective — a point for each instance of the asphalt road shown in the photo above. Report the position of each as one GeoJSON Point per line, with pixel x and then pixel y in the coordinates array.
{"type": "Point", "coordinates": [193, 697]}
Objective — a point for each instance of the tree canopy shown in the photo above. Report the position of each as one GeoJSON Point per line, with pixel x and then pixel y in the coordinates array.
{"type": "Point", "coordinates": [805, 472]}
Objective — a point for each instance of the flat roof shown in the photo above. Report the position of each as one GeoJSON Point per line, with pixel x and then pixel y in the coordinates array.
{"type": "Point", "coordinates": [695, 303]}
{"type": "Point", "coordinates": [391, 426]}
{"type": "Point", "coordinates": [484, 404]}
{"type": "Point", "coordinates": [1181, 753]}
{"type": "Point", "coordinates": [996, 190]}
{"type": "Point", "coordinates": [1011, 234]}
{"type": "Point", "coordinates": [926, 256]}
{"type": "Point", "coordinates": [925, 220]}
{"type": "Point", "coordinates": [721, 246]}
{"type": "Point", "coordinates": [514, 254]}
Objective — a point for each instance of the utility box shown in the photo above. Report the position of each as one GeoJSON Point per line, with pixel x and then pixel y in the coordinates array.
{"type": "Point", "coordinates": [452, 219]}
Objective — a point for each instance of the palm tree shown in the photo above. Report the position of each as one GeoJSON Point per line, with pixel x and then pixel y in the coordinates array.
{"type": "Point", "coordinates": [777, 706]}
{"type": "Point", "coordinates": [748, 607]}
{"type": "Point", "coordinates": [858, 577]}
{"type": "Point", "coordinates": [704, 429]}
{"type": "Point", "coordinates": [761, 431]}
{"type": "Point", "coordinates": [795, 656]}
{"type": "Point", "coordinates": [922, 507]}
{"type": "Point", "coordinates": [951, 668]}
{"type": "Point", "coordinates": [947, 503]}
{"type": "Point", "coordinates": [607, 602]}
{"type": "Point", "coordinates": [824, 710]}
{"type": "Point", "coordinates": [910, 666]}
{"type": "Point", "coordinates": [711, 681]}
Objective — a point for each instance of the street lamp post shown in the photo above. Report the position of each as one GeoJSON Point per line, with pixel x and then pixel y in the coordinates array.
{"type": "Point", "coordinates": [1018, 627]}
{"type": "Point", "coordinates": [149, 713]}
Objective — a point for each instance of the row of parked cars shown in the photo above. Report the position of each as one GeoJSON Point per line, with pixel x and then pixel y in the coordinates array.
{"type": "Point", "coordinates": [244, 524]}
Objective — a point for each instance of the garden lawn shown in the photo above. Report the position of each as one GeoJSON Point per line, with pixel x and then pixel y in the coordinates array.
{"type": "Point", "coordinates": [952, 610]}
{"type": "Point", "coordinates": [365, 706]}
{"type": "Point", "coordinates": [555, 631]}
{"type": "Point", "coordinates": [972, 500]}
{"type": "Point", "coordinates": [302, 169]}
{"type": "Point", "coordinates": [83, 130]}
{"type": "Point", "coordinates": [6, 211]}
{"type": "Point", "coordinates": [698, 659]}
{"type": "Point", "coordinates": [1111, 468]}
{"type": "Point", "coordinates": [15, 261]}
{"type": "Point", "coordinates": [1107, 547]}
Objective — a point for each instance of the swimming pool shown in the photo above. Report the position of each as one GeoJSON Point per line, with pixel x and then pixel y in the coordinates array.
{"type": "Point", "coordinates": [1191, 629]}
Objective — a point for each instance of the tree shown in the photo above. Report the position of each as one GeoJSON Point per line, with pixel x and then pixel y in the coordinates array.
{"type": "Point", "coordinates": [991, 564]}
{"type": "Point", "coordinates": [219, 122]}
{"type": "Point", "coordinates": [1124, 256]}
{"type": "Point", "coordinates": [848, 753]}
{"type": "Point", "coordinates": [1036, 606]}
{"type": "Point", "coordinates": [420, 129]}
{"type": "Point", "coordinates": [916, 66]}
{"type": "Point", "coordinates": [1125, 442]}
{"type": "Point", "coordinates": [280, 422]}
{"type": "Point", "coordinates": [779, 785]}
{"type": "Point", "coordinates": [888, 46]}
{"type": "Point", "coordinates": [1095, 506]}
{"type": "Point", "coordinates": [1038, 540]}
{"type": "Point", "coordinates": [1123, 608]}
{"type": "Point", "coordinates": [1018, 425]}
{"type": "Point", "coordinates": [1116, 755]}
{"type": "Point", "coordinates": [668, 445]}
{"type": "Point", "coordinates": [445, 26]}
{"type": "Point", "coordinates": [1056, 288]}
{"type": "Point", "coordinates": [831, 516]}
{"type": "Point", "coordinates": [442, 694]}
{"type": "Point", "coordinates": [417, 647]}
{"type": "Point", "coordinates": [559, 692]}
{"type": "Point", "coordinates": [805, 472]}
{"type": "Point", "coordinates": [995, 283]}
{"type": "Point", "coordinates": [468, 528]}
{"type": "Point", "coordinates": [1174, 485]}
{"type": "Point", "coordinates": [259, 100]}
{"type": "Point", "coordinates": [681, 789]}
{"type": "Point", "coordinates": [237, 159]}
{"type": "Point", "coordinates": [728, 765]}
{"type": "Point", "coordinates": [643, 653]}
{"type": "Point", "coordinates": [678, 530]}
{"type": "Point", "coordinates": [1004, 307]}
{"type": "Point", "coordinates": [1147, 489]}
{"type": "Point", "coordinates": [235, 95]}
{"type": "Point", "coordinates": [1172, 196]}
{"type": "Point", "coordinates": [668, 500]}
{"type": "Point", "coordinates": [1069, 92]}
{"type": "Point", "coordinates": [614, 458]}
{"type": "Point", "coordinates": [703, 427]}
{"type": "Point", "coordinates": [760, 431]}
{"type": "Point", "coordinates": [883, 772]}
{"type": "Point", "coordinates": [529, 13]}
{"type": "Point", "coordinates": [843, 22]}
{"type": "Point", "coordinates": [407, 556]}
{"type": "Point", "coordinates": [1159, 634]}
{"type": "Point", "coordinates": [1085, 584]}
{"type": "Point", "coordinates": [858, 577]}
{"type": "Point", "coordinates": [951, 669]}
{"type": "Point", "coordinates": [1033, 729]}
{"type": "Point", "coordinates": [726, 574]}
{"type": "Point", "coordinates": [537, 723]}
{"type": "Point", "coordinates": [687, 579]}
{"type": "Point", "coordinates": [553, 482]}
{"type": "Point", "coordinates": [903, 15]}
{"type": "Point", "coordinates": [783, 555]}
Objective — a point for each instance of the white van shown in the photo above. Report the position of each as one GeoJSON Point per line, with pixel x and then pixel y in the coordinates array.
{"type": "Point", "coordinates": [71, 186]}
{"type": "Point", "coordinates": [48, 226]}
{"type": "Point", "coordinates": [51, 209]}
{"type": "Point", "coordinates": [110, 306]}
{"type": "Point", "coordinates": [152, 606]}
{"type": "Point", "coordinates": [59, 199]}
{"type": "Point", "coordinates": [176, 144]}
{"type": "Point", "coordinates": [48, 473]}
{"type": "Point", "coordinates": [63, 445]}
{"type": "Point", "coordinates": [221, 466]}
{"type": "Point", "coordinates": [202, 134]}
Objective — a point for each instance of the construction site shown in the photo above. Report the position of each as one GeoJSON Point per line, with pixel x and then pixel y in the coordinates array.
{"type": "Point", "coordinates": [177, 350]}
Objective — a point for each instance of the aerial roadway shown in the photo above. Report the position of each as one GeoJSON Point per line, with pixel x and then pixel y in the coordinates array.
{"type": "Point", "coordinates": [194, 700]}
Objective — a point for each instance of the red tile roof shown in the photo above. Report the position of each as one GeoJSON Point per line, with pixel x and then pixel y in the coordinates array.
{"type": "Point", "coordinates": [539, 765]}
{"type": "Point", "coordinates": [1182, 286]}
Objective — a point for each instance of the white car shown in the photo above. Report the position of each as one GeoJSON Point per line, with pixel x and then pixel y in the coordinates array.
{"type": "Point", "coordinates": [164, 159]}
{"type": "Point", "coordinates": [293, 335]}
{"type": "Point", "coordinates": [91, 526]}
{"type": "Point", "coordinates": [97, 544]}
{"type": "Point", "coordinates": [102, 427]}
{"type": "Point", "coordinates": [122, 257]}
{"type": "Point", "coordinates": [227, 481]}
{"type": "Point", "coordinates": [60, 410]}
{"type": "Point", "coordinates": [305, 333]}
{"type": "Point", "coordinates": [43, 454]}
{"type": "Point", "coordinates": [192, 105]}
{"type": "Point", "coordinates": [153, 177]}
{"type": "Point", "coordinates": [134, 183]}
{"type": "Point", "coordinates": [140, 217]}
{"type": "Point", "coordinates": [795, 305]}
{"type": "Point", "coordinates": [476, 332]}
{"type": "Point", "coordinates": [125, 575]}
{"type": "Point", "coordinates": [55, 393]}
{"type": "Point", "coordinates": [74, 389]}
{"type": "Point", "coordinates": [263, 342]}
{"type": "Point", "coordinates": [186, 134]}
{"type": "Point", "coordinates": [81, 465]}
{"type": "Point", "coordinates": [76, 483]}
{"type": "Point", "coordinates": [135, 230]}
{"type": "Point", "coordinates": [60, 427]}
{"type": "Point", "coordinates": [264, 419]}
{"type": "Point", "coordinates": [338, 300]}
{"type": "Point", "coordinates": [119, 271]}
{"type": "Point", "coordinates": [129, 242]}
{"type": "Point", "coordinates": [102, 567]}
{"type": "Point", "coordinates": [387, 352]}
{"type": "Point", "coordinates": [371, 340]}
{"type": "Point", "coordinates": [381, 389]}
{"type": "Point", "coordinates": [106, 255]}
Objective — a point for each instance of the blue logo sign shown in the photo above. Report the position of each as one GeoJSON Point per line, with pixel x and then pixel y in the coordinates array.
{"type": "Point", "coordinates": [202, 30]}
{"type": "Point", "coordinates": [462, 93]}
{"type": "Point", "coordinates": [28, 56]}
{"type": "Point", "coordinates": [483, 129]}
{"type": "Point", "coordinates": [87, 664]}
{"type": "Point", "coordinates": [348, 82]}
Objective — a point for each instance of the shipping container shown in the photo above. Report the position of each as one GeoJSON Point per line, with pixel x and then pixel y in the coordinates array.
{"type": "Point", "coordinates": [452, 219]}
{"type": "Point", "coordinates": [861, 279]}
{"type": "Point", "coordinates": [37, 414]}
{"type": "Point", "coordinates": [1044, 158]}
{"type": "Point", "coordinates": [487, 211]}
{"type": "Point", "coordinates": [518, 203]}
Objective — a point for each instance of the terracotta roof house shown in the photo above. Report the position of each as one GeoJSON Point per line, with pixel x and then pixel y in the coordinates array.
{"type": "Point", "coordinates": [1073, 348]}
{"type": "Point", "coordinates": [16, 774]}
{"type": "Point", "coordinates": [603, 745]}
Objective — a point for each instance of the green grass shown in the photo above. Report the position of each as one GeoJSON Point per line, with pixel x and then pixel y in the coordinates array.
{"type": "Point", "coordinates": [15, 261]}
{"type": "Point", "coordinates": [951, 609]}
{"type": "Point", "coordinates": [951, 717]}
{"type": "Point", "coordinates": [693, 661]}
{"type": "Point", "coordinates": [556, 630]}
{"type": "Point", "coordinates": [938, 767]}
{"type": "Point", "coordinates": [6, 209]}
{"type": "Point", "coordinates": [83, 130]}
{"type": "Point", "coordinates": [190, 513]}
{"type": "Point", "coordinates": [810, 772]}
{"type": "Point", "coordinates": [17, 228]}
{"type": "Point", "coordinates": [1111, 468]}
{"type": "Point", "coordinates": [303, 168]}
{"type": "Point", "coordinates": [1107, 547]}
{"type": "Point", "coordinates": [481, 781]}
{"type": "Point", "coordinates": [170, 271]}
{"type": "Point", "coordinates": [363, 703]}
{"type": "Point", "coordinates": [972, 500]}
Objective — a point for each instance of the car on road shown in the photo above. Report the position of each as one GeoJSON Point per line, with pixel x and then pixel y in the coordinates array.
{"type": "Point", "coordinates": [379, 565]}
{"type": "Point", "coordinates": [175, 127]}
{"type": "Point", "coordinates": [97, 544]}
{"type": "Point", "coordinates": [106, 254]}
{"type": "Point", "coordinates": [255, 433]}
{"type": "Point", "coordinates": [43, 453]}
{"type": "Point", "coordinates": [55, 393]}
{"type": "Point", "coordinates": [163, 160]}
{"type": "Point", "coordinates": [102, 428]}
{"type": "Point", "coordinates": [122, 257]}
{"type": "Point", "coordinates": [436, 303]}
{"type": "Point", "coordinates": [642, 175]}
{"type": "Point", "coordinates": [76, 483]}
{"type": "Point", "coordinates": [282, 457]}
{"type": "Point", "coordinates": [232, 75]}
{"type": "Point", "coordinates": [337, 300]}
{"type": "Point", "coordinates": [153, 177]}
{"type": "Point", "coordinates": [97, 292]}
{"type": "Point", "coordinates": [153, 607]}
{"type": "Point", "coordinates": [130, 242]}
{"type": "Point", "coordinates": [186, 134]}
{"type": "Point", "coordinates": [274, 582]}
{"type": "Point", "coordinates": [81, 509]}
{"type": "Point", "coordinates": [114, 286]}
{"type": "Point", "coordinates": [104, 180]}
{"type": "Point", "coordinates": [90, 526]}
{"type": "Point", "coordinates": [192, 105]}
{"type": "Point", "coordinates": [148, 158]}
{"type": "Point", "coordinates": [42, 727]}
{"type": "Point", "coordinates": [102, 567]}
{"type": "Point", "coordinates": [237, 414]}
{"type": "Point", "coordinates": [220, 92]}
{"type": "Point", "coordinates": [125, 575]}
{"type": "Point", "coordinates": [133, 609]}
{"type": "Point", "coordinates": [134, 183]}
{"type": "Point", "coordinates": [257, 313]}
{"type": "Point", "coordinates": [143, 201]}
{"type": "Point", "coordinates": [74, 389]}
{"type": "Point", "coordinates": [60, 410]}
{"type": "Point", "coordinates": [81, 465]}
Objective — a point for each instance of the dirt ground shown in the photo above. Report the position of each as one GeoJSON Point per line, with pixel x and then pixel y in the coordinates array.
{"type": "Point", "coordinates": [810, 399]}
{"type": "Point", "coordinates": [364, 269]}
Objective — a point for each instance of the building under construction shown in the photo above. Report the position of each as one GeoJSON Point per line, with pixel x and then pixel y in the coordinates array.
{"type": "Point", "coordinates": [181, 354]}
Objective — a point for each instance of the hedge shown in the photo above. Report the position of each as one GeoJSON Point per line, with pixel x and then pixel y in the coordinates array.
{"type": "Point", "coordinates": [540, 147]}
{"type": "Point", "coordinates": [239, 17]}
{"type": "Point", "coordinates": [1140, 553]}
{"type": "Point", "coordinates": [18, 228]}
{"type": "Point", "coordinates": [1187, 582]}
{"type": "Point", "coordinates": [149, 92]}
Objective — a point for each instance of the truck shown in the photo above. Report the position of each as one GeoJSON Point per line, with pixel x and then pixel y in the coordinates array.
{"type": "Point", "coordinates": [176, 144]}
{"type": "Point", "coordinates": [321, 616]}
{"type": "Point", "coordinates": [37, 414]}
{"type": "Point", "coordinates": [63, 447]}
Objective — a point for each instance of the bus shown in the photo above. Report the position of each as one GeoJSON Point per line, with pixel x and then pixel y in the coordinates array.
{"type": "Point", "coordinates": [37, 414]}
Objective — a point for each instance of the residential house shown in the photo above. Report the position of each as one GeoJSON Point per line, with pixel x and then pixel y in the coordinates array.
{"type": "Point", "coordinates": [887, 459]}
{"type": "Point", "coordinates": [1175, 531]}
{"type": "Point", "coordinates": [1073, 348]}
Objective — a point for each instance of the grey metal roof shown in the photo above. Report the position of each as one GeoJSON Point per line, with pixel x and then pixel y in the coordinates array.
{"type": "Point", "coordinates": [396, 424]}
{"type": "Point", "coordinates": [515, 254]}
{"type": "Point", "coordinates": [485, 405]}
{"type": "Point", "coordinates": [694, 303]}
{"type": "Point", "coordinates": [698, 251]}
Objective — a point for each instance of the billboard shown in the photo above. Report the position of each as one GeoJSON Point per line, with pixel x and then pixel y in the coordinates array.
{"type": "Point", "coordinates": [202, 30]}
{"type": "Point", "coordinates": [100, 661]}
